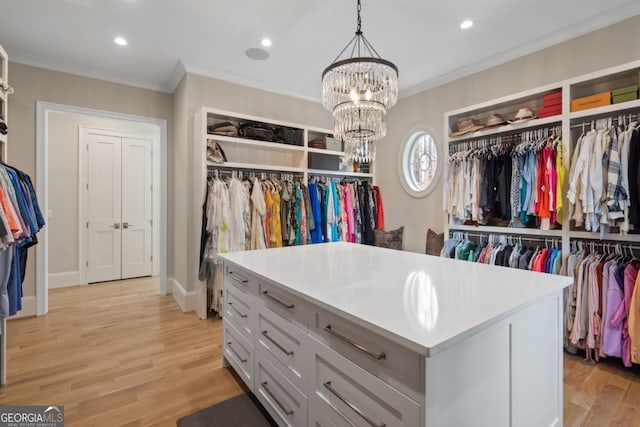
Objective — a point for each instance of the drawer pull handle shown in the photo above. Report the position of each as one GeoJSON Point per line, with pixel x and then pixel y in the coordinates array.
{"type": "Point", "coordinates": [238, 279]}
{"type": "Point", "coordinates": [274, 299]}
{"type": "Point", "coordinates": [377, 356]}
{"type": "Point", "coordinates": [244, 316]}
{"type": "Point", "coordinates": [352, 406]}
{"type": "Point", "coordinates": [275, 399]}
{"type": "Point", "coordinates": [277, 344]}
{"type": "Point", "coordinates": [235, 352]}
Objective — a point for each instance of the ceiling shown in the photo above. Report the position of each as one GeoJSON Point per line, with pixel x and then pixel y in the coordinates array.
{"type": "Point", "coordinates": [210, 37]}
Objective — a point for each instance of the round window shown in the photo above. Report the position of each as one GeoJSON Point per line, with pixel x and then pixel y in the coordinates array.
{"type": "Point", "coordinates": [419, 163]}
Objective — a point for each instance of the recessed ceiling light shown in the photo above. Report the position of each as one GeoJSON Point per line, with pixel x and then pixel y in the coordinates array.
{"type": "Point", "coordinates": [120, 41]}
{"type": "Point", "coordinates": [266, 42]}
{"type": "Point", "coordinates": [466, 24]}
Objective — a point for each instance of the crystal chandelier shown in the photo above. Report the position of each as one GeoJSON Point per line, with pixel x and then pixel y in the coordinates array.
{"type": "Point", "coordinates": [359, 89]}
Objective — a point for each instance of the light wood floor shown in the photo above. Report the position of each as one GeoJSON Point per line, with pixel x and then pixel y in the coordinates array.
{"type": "Point", "coordinates": [116, 354]}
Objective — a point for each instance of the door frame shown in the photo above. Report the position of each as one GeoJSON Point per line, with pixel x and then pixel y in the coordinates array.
{"type": "Point", "coordinates": [42, 189]}
{"type": "Point", "coordinates": [83, 202]}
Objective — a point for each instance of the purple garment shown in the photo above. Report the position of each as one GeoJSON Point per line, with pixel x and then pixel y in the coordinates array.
{"type": "Point", "coordinates": [622, 314]}
{"type": "Point", "coordinates": [612, 335]}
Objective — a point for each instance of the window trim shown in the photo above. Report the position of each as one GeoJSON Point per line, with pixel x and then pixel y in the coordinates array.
{"type": "Point", "coordinates": [402, 151]}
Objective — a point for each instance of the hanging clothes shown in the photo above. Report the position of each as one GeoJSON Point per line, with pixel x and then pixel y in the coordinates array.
{"type": "Point", "coordinates": [507, 181]}
{"type": "Point", "coordinates": [604, 178]}
{"type": "Point", "coordinates": [20, 221]}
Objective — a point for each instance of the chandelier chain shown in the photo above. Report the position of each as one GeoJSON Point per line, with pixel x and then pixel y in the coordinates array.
{"type": "Point", "coordinates": [359, 29]}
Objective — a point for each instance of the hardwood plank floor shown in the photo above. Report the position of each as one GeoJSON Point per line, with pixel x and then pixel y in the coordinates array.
{"type": "Point", "coordinates": [117, 354]}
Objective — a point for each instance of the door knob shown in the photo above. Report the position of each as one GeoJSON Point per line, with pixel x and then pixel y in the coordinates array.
{"type": "Point", "coordinates": [116, 225]}
{"type": "Point", "coordinates": [125, 225]}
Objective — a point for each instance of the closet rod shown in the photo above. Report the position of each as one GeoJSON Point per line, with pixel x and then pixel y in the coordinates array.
{"type": "Point", "coordinates": [587, 124]}
{"type": "Point", "coordinates": [603, 244]}
{"type": "Point", "coordinates": [514, 237]}
{"type": "Point", "coordinates": [510, 134]}
{"type": "Point", "coordinates": [226, 168]}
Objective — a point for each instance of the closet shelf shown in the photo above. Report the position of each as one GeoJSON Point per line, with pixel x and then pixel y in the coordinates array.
{"type": "Point", "coordinates": [607, 109]}
{"type": "Point", "coordinates": [339, 173]}
{"type": "Point", "coordinates": [506, 230]}
{"type": "Point", "coordinates": [614, 237]}
{"type": "Point", "coordinates": [508, 128]}
{"type": "Point", "coordinates": [326, 152]}
{"type": "Point", "coordinates": [252, 142]}
{"type": "Point", "coordinates": [256, 167]}
{"type": "Point", "coordinates": [3, 138]}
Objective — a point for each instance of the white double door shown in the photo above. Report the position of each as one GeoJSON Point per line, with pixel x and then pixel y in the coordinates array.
{"type": "Point", "coordinates": [119, 191]}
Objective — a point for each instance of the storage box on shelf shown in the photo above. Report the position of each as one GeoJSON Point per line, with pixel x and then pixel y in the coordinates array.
{"type": "Point", "coordinates": [601, 89]}
{"type": "Point", "coordinates": [487, 117]}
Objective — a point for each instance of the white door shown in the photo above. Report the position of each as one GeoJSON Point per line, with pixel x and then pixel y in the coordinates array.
{"type": "Point", "coordinates": [120, 207]}
{"type": "Point", "coordinates": [136, 208]}
{"type": "Point", "coordinates": [104, 188]}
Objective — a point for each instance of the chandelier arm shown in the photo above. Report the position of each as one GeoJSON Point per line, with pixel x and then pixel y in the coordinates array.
{"type": "Point", "coordinates": [356, 44]}
{"type": "Point", "coordinates": [345, 48]}
{"type": "Point", "coordinates": [372, 50]}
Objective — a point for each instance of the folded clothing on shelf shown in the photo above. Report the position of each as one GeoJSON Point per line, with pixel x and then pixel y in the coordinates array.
{"type": "Point", "coordinates": [224, 128]}
{"type": "Point", "coordinates": [3, 127]}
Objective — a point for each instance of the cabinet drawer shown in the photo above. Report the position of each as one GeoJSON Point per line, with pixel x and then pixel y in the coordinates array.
{"type": "Point", "coordinates": [320, 419]}
{"type": "Point", "coordinates": [394, 364]}
{"type": "Point", "coordinates": [239, 353]}
{"type": "Point", "coordinates": [239, 310]}
{"type": "Point", "coordinates": [286, 404]}
{"type": "Point", "coordinates": [240, 278]}
{"type": "Point", "coordinates": [284, 303]}
{"type": "Point", "coordinates": [282, 343]}
{"type": "Point", "coordinates": [361, 398]}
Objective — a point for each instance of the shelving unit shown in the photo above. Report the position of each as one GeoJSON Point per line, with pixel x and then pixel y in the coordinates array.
{"type": "Point", "coordinates": [251, 154]}
{"type": "Point", "coordinates": [4, 79]}
{"type": "Point", "coordinates": [587, 85]}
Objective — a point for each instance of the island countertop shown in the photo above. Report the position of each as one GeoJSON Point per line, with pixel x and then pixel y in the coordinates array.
{"type": "Point", "coordinates": [422, 302]}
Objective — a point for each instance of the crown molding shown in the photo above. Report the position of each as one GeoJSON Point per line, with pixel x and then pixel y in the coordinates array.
{"type": "Point", "coordinates": [85, 72]}
{"type": "Point", "coordinates": [251, 83]}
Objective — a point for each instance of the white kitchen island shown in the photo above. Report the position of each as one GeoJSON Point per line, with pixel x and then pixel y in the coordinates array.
{"type": "Point", "coordinates": [342, 334]}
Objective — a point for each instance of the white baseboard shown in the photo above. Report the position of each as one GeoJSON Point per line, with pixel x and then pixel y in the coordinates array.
{"type": "Point", "coordinates": [62, 280]}
{"type": "Point", "coordinates": [186, 300]}
{"type": "Point", "coordinates": [28, 308]}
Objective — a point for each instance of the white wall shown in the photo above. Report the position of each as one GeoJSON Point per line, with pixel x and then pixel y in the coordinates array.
{"type": "Point", "coordinates": [63, 182]}
{"type": "Point", "coordinates": [610, 46]}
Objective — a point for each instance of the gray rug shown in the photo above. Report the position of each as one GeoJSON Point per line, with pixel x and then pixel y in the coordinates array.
{"type": "Point", "coordinates": [240, 411]}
